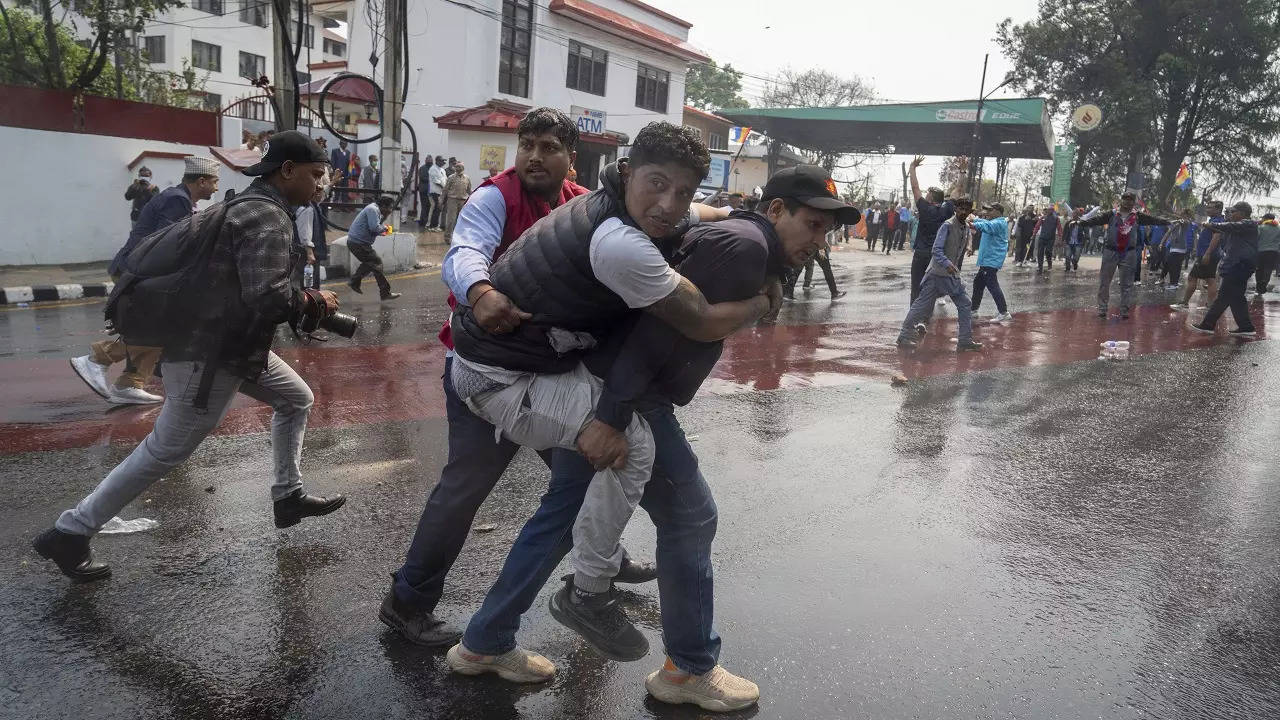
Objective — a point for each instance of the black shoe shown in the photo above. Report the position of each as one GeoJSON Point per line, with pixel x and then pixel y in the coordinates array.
{"type": "Point", "coordinates": [597, 618]}
{"type": "Point", "coordinates": [71, 553]}
{"type": "Point", "coordinates": [417, 626]}
{"type": "Point", "coordinates": [788, 294]}
{"type": "Point", "coordinates": [839, 294]}
{"type": "Point", "coordinates": [922, 329]}
{"type": "Point", "coordinates": [291, 509]}
{"type": "Point", "coordinates": [1202, 329]}
{"type": "Point", "coordinates": [906, 344]}
{"type": "Point", "coordinates": [388, 295]}
{"type": "Point", "coordinates": [970, 346]}
{"type": "Point", "coordinates": [355, 286]}
{"type": "Point", "coordinates": [634, 573]}
{"type": "Point", "coordinates": [1102, 314]}
{"type": "Point", "coordinates": [1243, 332]}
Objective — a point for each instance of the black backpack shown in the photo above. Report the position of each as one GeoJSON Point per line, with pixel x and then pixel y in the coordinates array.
{"type": "Point", "coordinates": [164, 280]}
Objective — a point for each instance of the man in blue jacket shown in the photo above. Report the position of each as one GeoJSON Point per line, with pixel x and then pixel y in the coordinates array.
{"type": "Point", "coordinates": [1240, 258]}
{"type": "Point", "coordinates": [992, 250]}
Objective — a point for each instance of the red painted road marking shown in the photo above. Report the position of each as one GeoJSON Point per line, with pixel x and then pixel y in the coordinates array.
{"type": "Point", "coordinates": [44, 407]}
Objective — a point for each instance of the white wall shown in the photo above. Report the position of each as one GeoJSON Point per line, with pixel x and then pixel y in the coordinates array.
{"type": "Point", "coordinates": [453, 64]}
{"type": "Point", "coordinates": [71, 206]}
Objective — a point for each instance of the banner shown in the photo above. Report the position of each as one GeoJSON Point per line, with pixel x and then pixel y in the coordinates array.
{"type": "Point", "coordinates": [493, 157]}
{"type": "Point", "coordinates": [1064, 160]}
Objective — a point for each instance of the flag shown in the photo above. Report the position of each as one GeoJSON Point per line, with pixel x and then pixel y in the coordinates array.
{"type": "Point", "coordinates": [1183, 180]}
{"type": "Point", "coordinates": [739, 134]}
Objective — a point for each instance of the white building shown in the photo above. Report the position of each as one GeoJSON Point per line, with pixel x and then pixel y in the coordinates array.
{"type": "Point", "coordinates": [475, 66]}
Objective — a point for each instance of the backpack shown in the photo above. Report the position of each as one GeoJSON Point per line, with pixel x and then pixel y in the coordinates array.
{"type": "Point", "coordinates": [163, 285]}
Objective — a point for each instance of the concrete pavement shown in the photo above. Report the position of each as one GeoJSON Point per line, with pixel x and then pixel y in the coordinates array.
{"type": "Point", "coordinates": [1024, 533]}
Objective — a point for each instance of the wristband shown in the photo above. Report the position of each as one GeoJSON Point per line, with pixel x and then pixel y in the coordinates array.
{"type": "Point", "coordinates": [487, 290]}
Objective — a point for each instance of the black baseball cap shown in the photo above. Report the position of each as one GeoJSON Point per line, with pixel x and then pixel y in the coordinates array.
{"type": "Point", "coordinates": [812, 186]}
{"type": "Point", "coordinates": [285, 146]}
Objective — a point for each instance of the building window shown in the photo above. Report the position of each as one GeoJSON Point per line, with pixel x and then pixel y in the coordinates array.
{"type": "Point", "coordinates": [254, 12]}
{"type": "Point", "coordinates": [335, 47]}
{"type": "Point", "coordinates": [212, 102]}
{"type": "Point", "coordinates": [309, 35]}
{"type": "Point", "coordinates": [213, 7]}
{"type": "Point", "coordinates": [587, 67]}
{"type": "Point", "coordinates": [716, 142]}
{"type": "Point", "coordinates": [206, 56]}
{"type": "Point", "coordinates": [513, 58]}
{"type": "Point", "coordinates": [252, 66]}
{"type": "Point", "coordinates": [651, 88]}
{"type": "Point", "coordinates": [303, 78]}
{"type": "Point", "coordinates": [153, 48]}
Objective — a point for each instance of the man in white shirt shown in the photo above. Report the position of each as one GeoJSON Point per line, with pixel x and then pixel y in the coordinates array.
{"type": "Point", "coordinates": [436, 193]}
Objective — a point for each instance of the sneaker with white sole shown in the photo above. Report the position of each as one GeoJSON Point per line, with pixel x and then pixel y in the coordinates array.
{"type": "Point", "coordinates": [1179, 307]}
{"type": "Point", "coordinates": [516, 665]}
{"type": "Point", "coordinates": [1002, 317]}
{"type": "Point", "coordinates": [133, 396]}
{"type": "Point", "coordinates": [93, 374]}
{"type": "Point", "coordinates": [717, 690]}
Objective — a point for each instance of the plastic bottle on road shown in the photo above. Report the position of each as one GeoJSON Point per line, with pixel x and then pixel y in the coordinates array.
{"type": "Point", "coordinates": [1114, 350]}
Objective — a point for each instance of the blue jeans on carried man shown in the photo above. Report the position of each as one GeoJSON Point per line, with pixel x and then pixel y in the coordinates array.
{"type": "Point", "coordinates": [678, 501]}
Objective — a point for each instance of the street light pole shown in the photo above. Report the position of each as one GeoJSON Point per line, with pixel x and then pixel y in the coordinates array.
{"type": "Point", "coordinates": [977, 132]}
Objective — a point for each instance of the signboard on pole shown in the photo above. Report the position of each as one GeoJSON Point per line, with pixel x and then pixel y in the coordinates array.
{"type": "Point", "coordinates": [718, 176]}
{"type": "Point", "coordinates": [588, 120]}
{"type": "Point", "coordinates": [1064, 160]}
{"type": "Point", "coordinates": [493, 157]}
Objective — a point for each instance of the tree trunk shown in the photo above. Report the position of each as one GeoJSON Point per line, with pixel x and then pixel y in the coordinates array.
{"type": "Point", "coordinates": [54, 71]}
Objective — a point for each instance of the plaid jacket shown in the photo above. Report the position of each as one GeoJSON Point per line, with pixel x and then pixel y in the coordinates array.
{"type": "Point", "coordinates": [249, 285]}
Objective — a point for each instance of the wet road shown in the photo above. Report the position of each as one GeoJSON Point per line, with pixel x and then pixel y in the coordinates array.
{"type": "Point", "coordinates": [1025, 533]}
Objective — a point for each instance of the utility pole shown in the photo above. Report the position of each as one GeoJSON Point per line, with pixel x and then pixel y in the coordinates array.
{"type": "Point", "coordinates": [284, 71]}
{"type": "Point", "coordinates": [392, 107]}
{"type": "Point", "coordinates": [977, 132]}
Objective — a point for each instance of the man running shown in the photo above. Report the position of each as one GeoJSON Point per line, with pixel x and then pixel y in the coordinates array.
{"type": "Point", "coordinates": [992, 251]}
{"type": "Point", "coordinates": [943, 279]}
{"type": "Point", "coordinates": [1239, 260]}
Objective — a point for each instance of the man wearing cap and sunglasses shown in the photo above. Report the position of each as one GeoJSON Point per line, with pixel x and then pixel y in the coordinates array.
{"type": "Point", "coordinates": [199, 182]}
{"type": "Point", "coordinates": [226, 348]}
{"type": "Point", "coordinates": [651, 367]}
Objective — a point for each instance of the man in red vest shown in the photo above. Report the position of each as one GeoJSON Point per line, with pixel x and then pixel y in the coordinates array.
{"type": "Point", "coordinates": [495, 215]}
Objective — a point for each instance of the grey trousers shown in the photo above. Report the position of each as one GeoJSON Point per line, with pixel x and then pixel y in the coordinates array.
{"type": "Point", "coordinates": [933, 287]}
{"type": "Point", "coordinates": [548, 411]}
{"type": "Point", "coordinates": [1111, 260]}
{"type": "Point", "coordinates": [181, 428]}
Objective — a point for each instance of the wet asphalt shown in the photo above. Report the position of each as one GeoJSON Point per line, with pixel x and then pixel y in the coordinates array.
{"type": "Point", "coordinates": [1025, 533]}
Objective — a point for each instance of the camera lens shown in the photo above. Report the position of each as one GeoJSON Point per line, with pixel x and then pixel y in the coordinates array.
{"type": "Point", "coordinates": [341, 324]}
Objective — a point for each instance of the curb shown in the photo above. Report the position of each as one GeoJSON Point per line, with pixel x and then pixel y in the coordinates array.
{"type": "Point", "coordinates": [49, 293]}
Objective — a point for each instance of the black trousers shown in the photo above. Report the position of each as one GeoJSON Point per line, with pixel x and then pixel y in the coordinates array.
{"type": "Point", "coordinates": [1172, 267]}
{"type": "Point", "coordinates": [370, 263]}
{"type": "Point", "coordinates": [1021, 254]}
{"type": "Point", "coordinates": [1267, 261]}
{"type": "Point", "coordinates": [986, 280]}
{"type": "Point", "coordinates": [1231, 295]}
{"type": "Point", "coordinates": [824, 263]}
{"type": "Point", "coordinates": [919, 264]}
{"type": "Point", "coordinates": [1044, 252]}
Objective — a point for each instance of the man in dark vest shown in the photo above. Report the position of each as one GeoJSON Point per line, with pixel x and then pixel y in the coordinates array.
{"type": "Point", "coordinates": [652, 366]}
{"type": "Point", "coordinates": [579, 272]}
{"type": "Point", "coordinates": [1121, 249]}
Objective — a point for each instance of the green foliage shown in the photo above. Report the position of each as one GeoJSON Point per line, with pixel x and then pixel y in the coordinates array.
{"type": "Point", "coordinates": [1177, 80]}
{"type": "Point", "coordinates": [25, 62]}
{"type": "Point", "coordinates": [710, 87]}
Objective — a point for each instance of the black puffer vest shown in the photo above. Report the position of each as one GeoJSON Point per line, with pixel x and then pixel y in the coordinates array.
{"type": "Point", "coordinates": [547, 273]}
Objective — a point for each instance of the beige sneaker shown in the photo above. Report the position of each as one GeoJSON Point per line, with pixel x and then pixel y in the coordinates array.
{"type": "Point", "coordinates": [517, 665]}
{"type": "Point", "coordinates": [718, 690]}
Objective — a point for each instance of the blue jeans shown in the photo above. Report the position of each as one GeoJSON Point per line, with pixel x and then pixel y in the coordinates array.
{"type": "Point", "coordinates": [679, 502]}
{"type": "Point", "coordinates": [475, 465]}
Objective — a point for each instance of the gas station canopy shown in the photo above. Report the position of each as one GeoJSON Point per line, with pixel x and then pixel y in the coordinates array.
{"type": "Point", "coordinates": [1016, 128]}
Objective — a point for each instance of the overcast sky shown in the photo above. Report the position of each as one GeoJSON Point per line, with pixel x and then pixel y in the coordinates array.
{"type": "Point", "coordinates": [916, 51]}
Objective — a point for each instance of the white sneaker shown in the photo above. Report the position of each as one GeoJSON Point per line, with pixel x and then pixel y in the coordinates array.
{"type": "Point", "coordinates": [133, 396]}
{"type": "Point", "coordinates": [1179, 307]}
{"type": "Point", "coordinates": [93, 374]}
{"type": "Point", "coordinates": [516, 665]}
{"type": "Point", "coordinates": [1002, 317]}
{"type": "Point", "coordinates": [717, 690]}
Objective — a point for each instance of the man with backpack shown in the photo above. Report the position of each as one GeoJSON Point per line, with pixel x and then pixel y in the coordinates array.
{"type": "Point", "coordinates": [199, 182]}
{"type": "Point", "coordinates": [214, 287]}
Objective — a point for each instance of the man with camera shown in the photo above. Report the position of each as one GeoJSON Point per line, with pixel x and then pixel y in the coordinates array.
{"type": "Point", "coordinates": [139, 193]}
{"type": "Point", "coordinates": [240, 294]}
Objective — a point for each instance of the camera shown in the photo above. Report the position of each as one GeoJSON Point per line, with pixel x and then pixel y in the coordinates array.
{"type": "Point", "coordinates": [335, 322]}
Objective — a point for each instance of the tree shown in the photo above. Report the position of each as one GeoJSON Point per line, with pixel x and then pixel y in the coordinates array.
{"type": "Point", "coordinates": [816, 88]}
{"type": "Point", "coordinates": [955, 172]}
{"type": "Point", "coordinates": [35, 52]}
{"type": "Point", "coordinates": [710, 87]}
{"type": "Point", "coordinates": [1189, 80]}
{"type": "Point", "coordinates": [1028, 178]}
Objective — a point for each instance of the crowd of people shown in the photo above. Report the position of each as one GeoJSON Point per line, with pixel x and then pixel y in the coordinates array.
{"type": "Point", "coordinates": [580, 320]}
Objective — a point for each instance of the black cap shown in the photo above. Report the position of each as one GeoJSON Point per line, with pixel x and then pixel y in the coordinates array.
{"type": "Point", "coordinates": [812, 186]}
{"type": "Point", "coordinates": [285, 146]}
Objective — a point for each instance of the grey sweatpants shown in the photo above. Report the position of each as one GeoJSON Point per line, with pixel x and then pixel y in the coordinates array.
{"type": "Point", "coordinates": [548, 411]}
{"type": "Point", "coordinates": [181, 428]}
{"type": "Point", "coordinates": [1111, 261]}
{"type": "Point", "coordinates": [933, 287]}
